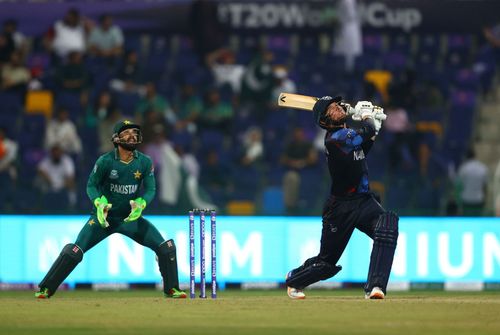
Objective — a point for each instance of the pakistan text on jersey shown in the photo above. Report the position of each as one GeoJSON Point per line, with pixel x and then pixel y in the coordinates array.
{"type": "Point", "coordinates": [124, 189]}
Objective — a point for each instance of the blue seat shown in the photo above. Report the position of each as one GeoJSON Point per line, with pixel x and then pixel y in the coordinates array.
{"type": "Point", "coordinates": [10, 123]}
{"type": "Point", "coordinates": [11, 103]}
{"type": "Point", "coordinates": [26, 199]}
{"type": "Point", "coordinates": [32, 131]}
{"type": "Point", "coordinates": [72, 102]}
{"type": "Point", "coordinates": [466, 79]}
{"type": "Point", "coordinates": [395, 61]}
{"type": "Point", "coordinates": [133, 42]}
{"type": "Point", "coordinates": [273, 201]}
{"type": "Point", "coordinates": [127, 102]}
{"type": "Point", "coordinates": [400, 43]}
{"type": "Point", "coordinates": [55, 202]}
{"type": "Point", "coordinates": [373, 44]}
{"type": "Point", "coordinates": [430, 44]}
{"type": "Point", "coordinates": [459, 43]}
{"type": "Point", "coordinates": [212, 139]}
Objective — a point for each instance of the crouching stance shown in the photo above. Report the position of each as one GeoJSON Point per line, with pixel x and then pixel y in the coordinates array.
{"type": "Point", "coordinates": [113, 187]}
{"type": "Point", "coordinates": [349, 137]}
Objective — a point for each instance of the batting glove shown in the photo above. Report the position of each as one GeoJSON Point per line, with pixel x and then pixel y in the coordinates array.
{"type": "Point", "coordinates": [102, 206]}
{"type": "Point", "coordinates": [378, 118]}
{"type": "Point", "coordinates": [362, 110]}
{"type": "Point", "coordinates": [137, 207]}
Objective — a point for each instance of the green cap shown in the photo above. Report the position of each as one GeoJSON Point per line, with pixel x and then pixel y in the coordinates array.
{"type": "Point", "coordinates": [125, 124]}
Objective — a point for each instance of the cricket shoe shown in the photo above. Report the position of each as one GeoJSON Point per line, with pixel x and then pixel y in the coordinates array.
{"type": "Point", "coordinates": [294, 293]}
{"type": "Point", "coordinates": [376, 293]}
{"type": "Point", "coordinates": [42, 294]}
{"type": "Point", "coordinates": [176, 294]}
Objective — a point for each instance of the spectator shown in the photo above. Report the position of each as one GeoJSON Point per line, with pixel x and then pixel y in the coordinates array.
{"type": "Point", "coordinates": [103, 106]}
{"type": "Point", "coordinates": [106, 40]}
{"type": "Point", "coordinates": [8, 171]}
{"type": "Point", "coordinates": [258, 79]}
{"type": "Point", "coordinates": [299, 154]}
{"type": "Point", "coordinates": [398, 129]}
{"type": "Point", "coordinates": [217, 114]}
{"type": "Point", "coordinates": [472, 179]}
{"type": "Point", "coordinates": [216, 176]}
{"type": "Point", "coordinates": [10, 28]}
{"type": "Point", "coordinates": [256, 86]}
{"type": "Point", "coordinates": [57, 175]}
{"type": "Point", "coordinates": [154, 124]}
{"type": "Point", "coordinates": [105, 127]}
{"type": "Point", "coordinates": [348, 39]}
{"type": "Point", "coordinates": [61, 131]}
{"type": "Point", "coordinates": [167, 164]}
{"type": "Point", "coordinates": [188, 108]}
{"type": "Point", "coordinates": [73, 76]}
{"type": "Point", "coordinates": [129, 76]}
{"type": "Point", "coordinates": [225, 70]}
{"type": "Point", "coordinates": [492, 35]}
{"type": "Point", "coordinates": [253, 148]}
{"type": "Point", "coordinates": [67, 35]}
{"type": "Point", "coordinates": [7, 47]}
{"type": "Point", "coordinates": [282, 83]}
{"type": "Point", "coordinates": [153, 101]}
{"type": "Point", "coordinates": [15, 76]}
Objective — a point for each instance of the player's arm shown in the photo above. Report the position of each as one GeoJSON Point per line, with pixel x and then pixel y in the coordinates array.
{"type": "Point", "coordinates": [149, 183]}
{"type": "Point", "coordinates": [366, 129]}
{"type": "Point", "coordinates": [96, 176]}
{"type": "Point", "coordinates": [95, 195]}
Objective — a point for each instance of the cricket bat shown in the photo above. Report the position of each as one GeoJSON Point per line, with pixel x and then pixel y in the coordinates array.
{"type": "Point", "coordinates": [298, 101]}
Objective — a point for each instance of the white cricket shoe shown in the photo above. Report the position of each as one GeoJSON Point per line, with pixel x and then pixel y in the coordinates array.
{"type": "Point", "coordinates": [376, 293]}
{"type": "Point", "coordinates": [294, 293]}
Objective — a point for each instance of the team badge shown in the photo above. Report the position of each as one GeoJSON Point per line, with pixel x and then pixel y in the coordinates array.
{"type": "Point", "coordinates": [137, 174]}
{"type": "Point", "coordinates": [113, 174]}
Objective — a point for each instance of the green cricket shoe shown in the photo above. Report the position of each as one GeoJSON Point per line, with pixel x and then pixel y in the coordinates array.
{"type": "Point", "coordinates": [175, 293]}
{"type": "Point", "coordinates": [42, 294]}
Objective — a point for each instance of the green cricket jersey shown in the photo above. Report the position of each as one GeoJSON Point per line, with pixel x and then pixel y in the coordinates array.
{"type": "Point", "coordinates": [120, 182]}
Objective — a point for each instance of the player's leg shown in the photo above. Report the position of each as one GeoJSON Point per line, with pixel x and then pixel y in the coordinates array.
{"type": "Point", "coordinates": [145, 233]}
{"type": "Point", "coordinates": [337, 229]}
{"type": "Point", "coordinates": [70, 256]}
{"type": "Point", "coordinates": [382, 227]}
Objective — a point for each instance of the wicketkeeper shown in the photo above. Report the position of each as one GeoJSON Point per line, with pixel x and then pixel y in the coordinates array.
{"type": "Point", "coordinates": [350, 135]}
{"type": "Point", "coordinates": [113, 187]}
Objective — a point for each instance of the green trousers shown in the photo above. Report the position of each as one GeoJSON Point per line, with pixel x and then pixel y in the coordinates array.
{"type": "Point", "coordinates": [141, 231]}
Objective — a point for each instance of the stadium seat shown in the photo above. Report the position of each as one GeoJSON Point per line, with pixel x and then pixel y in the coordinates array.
{"type": "Point", "coordinates": [374, 44]}
{"type": "Point", "coordinates": [240, 207]}
{"type": "Point", "coordinates": [273, 201]}
{"type": "Point", "coordinates": [39, 102]}
{"type": "Point", "coordinates": [11, 102]}
{"type": "Point", "coordinates": [72, 102]}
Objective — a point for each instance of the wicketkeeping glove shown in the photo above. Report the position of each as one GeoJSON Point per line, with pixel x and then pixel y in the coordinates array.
{"type": "Point", "coordinates": [137, 207]}
{"type": "Point", "coordinates": [102, 207]}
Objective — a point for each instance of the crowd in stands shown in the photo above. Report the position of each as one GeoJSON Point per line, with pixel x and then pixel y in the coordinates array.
{"type": "Point", "coordinates": [210, 121]}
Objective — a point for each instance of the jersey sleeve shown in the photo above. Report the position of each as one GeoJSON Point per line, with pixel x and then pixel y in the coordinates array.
{"type": "Point", "coordinates": [95, 178]}
{"type": "Point", "coordinates": [353, 137]}
{"type": "Point", "coordinates": [149, 182]}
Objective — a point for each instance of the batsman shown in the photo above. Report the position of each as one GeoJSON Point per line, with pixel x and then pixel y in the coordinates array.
{"type": "Point", "coordinates": [114, 188]}
{"type": "Point", "coordinates": [350, 135]}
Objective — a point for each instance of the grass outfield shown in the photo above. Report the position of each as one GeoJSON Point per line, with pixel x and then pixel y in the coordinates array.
{"type": "Point", "coordinates": [251, 312]}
